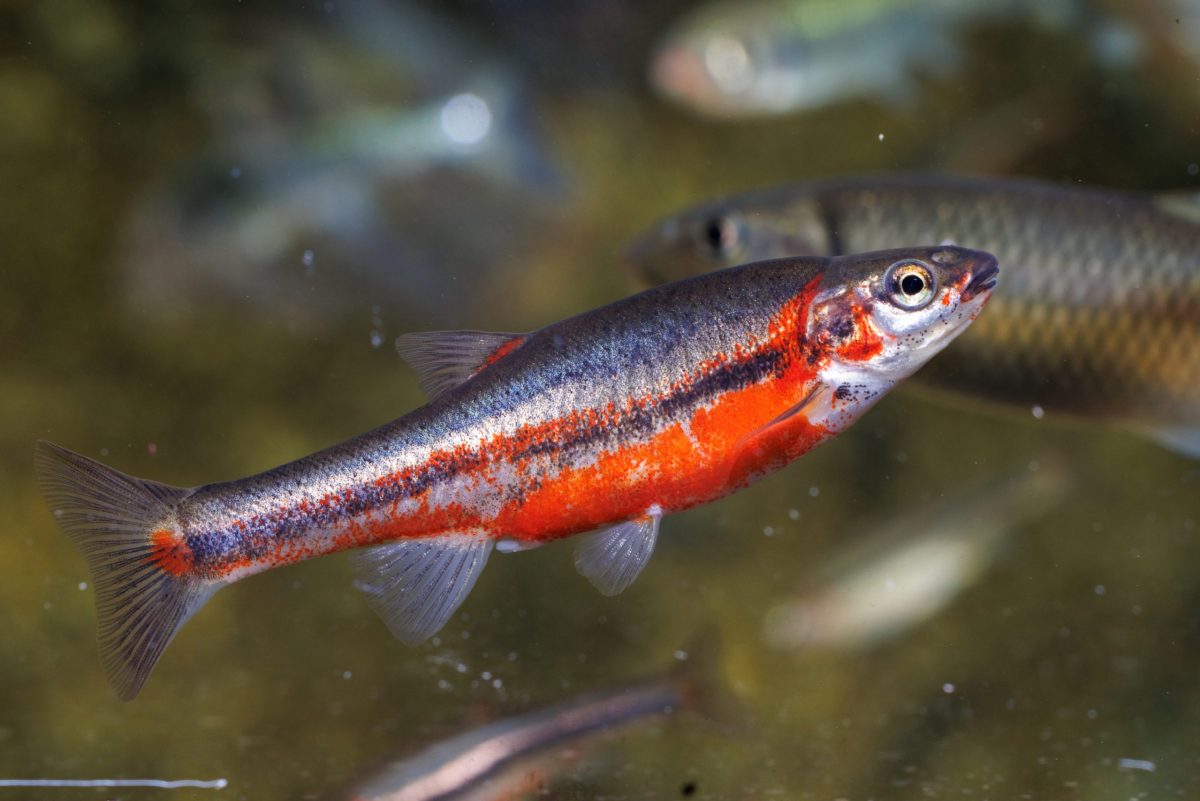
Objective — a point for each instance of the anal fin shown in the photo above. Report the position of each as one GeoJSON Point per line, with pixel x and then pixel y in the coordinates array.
{"type": "Point", "coordinates": [613, 557]}
{"type": "Point", "coordinates": [417, 584]}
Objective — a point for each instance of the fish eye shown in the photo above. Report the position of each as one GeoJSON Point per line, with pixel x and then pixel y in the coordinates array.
{"type": "Point", "coordinates": [910, 285]}
{"type": "Point", "coordinates": [721, 236]}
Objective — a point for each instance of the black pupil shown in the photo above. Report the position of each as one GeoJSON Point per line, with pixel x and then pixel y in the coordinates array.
{"type": "Point", "coordinates": [715, 234]}
{"type": "Point", "coordinates": [912, 284]}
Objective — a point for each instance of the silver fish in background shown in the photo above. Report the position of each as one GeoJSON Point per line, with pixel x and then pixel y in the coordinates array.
{"type": "Point", "coordinates": [523, 756]}
{"type": "Point", "coordinates": [917, 565]}
{"type": "Point", "coordinates": [331, 168]}
{"type": "Point", "coordinates": [734, 59]}
{"type": "Point", "coordinates": [1098, 315]}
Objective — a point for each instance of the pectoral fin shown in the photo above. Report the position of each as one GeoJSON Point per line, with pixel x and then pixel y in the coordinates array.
{"type": "Point", "coordinates": [804, 407]}
{"type": "Point", "coordinates": [445, 359]}
{"type": "Point", "coordinates": [613, 557]}
{"type": "Point", "coordinates": [416, 585]}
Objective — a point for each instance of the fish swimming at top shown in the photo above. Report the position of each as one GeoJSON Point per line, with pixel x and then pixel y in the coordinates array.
{"type": "Point", "coordinates": [608, 420]}
{"type": "Point", "coordinates": [1099, 313]}
{"type": "Point", "coordinates": [766, 57]}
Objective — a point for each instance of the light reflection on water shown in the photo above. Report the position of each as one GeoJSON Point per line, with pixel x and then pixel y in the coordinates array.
{"type": "Point", "coordinates": [1066, 670]}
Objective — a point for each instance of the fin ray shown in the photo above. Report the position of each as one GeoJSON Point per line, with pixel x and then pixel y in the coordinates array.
{"type": "Point", "coordinates": [416, 585]}
{"type": "Point", "coordinates": [445, 359]}
{"type": "Point", "coordinates": [613, 557]}
{"type": "Point", "coordinates": [110, 516]}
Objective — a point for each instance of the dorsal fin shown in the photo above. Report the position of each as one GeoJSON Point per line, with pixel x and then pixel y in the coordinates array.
{"type": "Point", "coordinates": [445, 359]}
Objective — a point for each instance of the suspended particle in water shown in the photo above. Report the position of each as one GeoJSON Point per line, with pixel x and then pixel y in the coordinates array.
{"type": "Point", "coordinates": [1038, 412]}
{"type": "Point", "coordinates": [308, 260]}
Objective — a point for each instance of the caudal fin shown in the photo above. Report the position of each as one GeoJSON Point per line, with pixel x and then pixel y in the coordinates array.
{"type": "Point", "coordinates": [113, 518]}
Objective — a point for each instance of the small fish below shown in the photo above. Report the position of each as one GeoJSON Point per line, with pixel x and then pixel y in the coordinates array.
{"type": "Point", "coordinates": [1098, 317]}
{"type": "Point", "coordinates": [522, 756]}
{"type": "Point", "coordinates": [604, 422]}
{"type": "Point", "coordinates": [916, 566]}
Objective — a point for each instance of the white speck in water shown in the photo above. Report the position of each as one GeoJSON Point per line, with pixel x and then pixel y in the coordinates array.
{"type": "Point", "coordinates": [346, 674]}
{"type": "Point", "coordinates": [466, 119]}
{"type": "Point", "coordinates": [497, 683]}
{"type": "Point", "coordinates": [681, 656]}
{"type": "Point", "coordinates": [460, 667]}
{"type": "Point", "coordinates": [948, 688]}
{"type": "Point", "coordinates": [308, 259]}
{"type": "Point", "coordinates": [1038, 412]}
{"type": "Point", "coordinates": [235, 172]}
{"type": "Point", "coordinates": [512, 656]}
{"type": "Point", "coordinates": [82, 586]}
{"type": "Point", "coordinates": [1193, 169]}
{"type": "Point", "coordinates": [486, 675]}
{"type": "Point", "coordinates": [814, 492]}
{"type": "Point", "coordinates": [376, 338]}
{"type": "Point", "coordinates": [793, 514]}
{"type": "Point", "coordinates": [881, 137]}
{"type": "Point", "coordinates": [1125, 763]}
{"type": "Point", "coordinates": [1092, 714]}
{"type": "Point", "coordinates": [768, 531]}
{"type": "Point", "coordinates": [1099, 589]}
{"type": "Point", "coordinates": [443, 684]}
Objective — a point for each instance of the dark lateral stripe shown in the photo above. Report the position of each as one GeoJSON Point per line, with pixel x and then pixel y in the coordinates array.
{"type": "Point", "coordinates": [262, 534]}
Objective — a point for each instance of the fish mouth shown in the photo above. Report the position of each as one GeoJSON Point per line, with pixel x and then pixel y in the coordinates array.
{"type": "Point", "coordinates": [982, 280]}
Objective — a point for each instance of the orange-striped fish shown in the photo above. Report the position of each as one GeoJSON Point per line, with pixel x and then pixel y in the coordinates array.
{"type": "Point", "coordinates": [606, 421]}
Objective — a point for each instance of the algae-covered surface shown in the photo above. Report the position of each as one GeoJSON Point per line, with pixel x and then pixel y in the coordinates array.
{"type": "Point", "coordinates": [147, 322]}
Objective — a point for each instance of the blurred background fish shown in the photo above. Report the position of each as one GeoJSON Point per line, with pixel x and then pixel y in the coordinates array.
{"type": "Point", "coordinates": [1098, 315]}
{"type": "Point", "coordinates": [917, 564]}
{"type": "Point", "coordinates": [767, 57]}
{"type": "Point", "coordinates": [527, 755]}
{"type": "Point", "coordinates": [345, 166]}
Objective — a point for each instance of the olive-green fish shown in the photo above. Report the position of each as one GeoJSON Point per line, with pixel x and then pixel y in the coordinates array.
{"type": "Point", "coordinates": [1099, 313]}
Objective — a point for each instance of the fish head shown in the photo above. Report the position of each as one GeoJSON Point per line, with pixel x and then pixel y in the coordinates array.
{"type": "Point", "coordinates": [878, 317]}
{"type": "Point", "coordinates": [723, 234]}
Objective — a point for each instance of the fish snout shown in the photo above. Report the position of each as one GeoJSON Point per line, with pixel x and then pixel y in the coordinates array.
{"type": "Point", "coordinates": [983, 277]}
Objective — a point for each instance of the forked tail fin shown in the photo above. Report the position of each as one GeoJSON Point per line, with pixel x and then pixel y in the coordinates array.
{"type": "Point", "coordinates": [117, 521]}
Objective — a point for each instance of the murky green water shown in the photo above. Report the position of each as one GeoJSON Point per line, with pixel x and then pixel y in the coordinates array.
{"type": "Point", "coordinates": [1075, 651]}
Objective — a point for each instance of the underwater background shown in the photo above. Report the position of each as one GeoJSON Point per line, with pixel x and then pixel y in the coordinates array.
{"type": "Point", "coordinates": [217, 218]}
